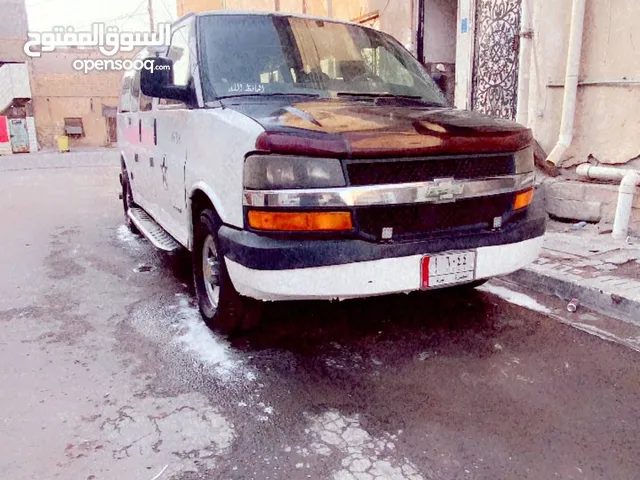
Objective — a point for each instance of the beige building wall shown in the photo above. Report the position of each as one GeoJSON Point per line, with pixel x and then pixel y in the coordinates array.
{"type": "Point", "coordinates": [607, 118]}
{"type": "Point", "coordinates": [311, 7]}
{"type": "Point", "coordinates": [60, 92]}
{"type": "Point", "coordinates": [13, 30]}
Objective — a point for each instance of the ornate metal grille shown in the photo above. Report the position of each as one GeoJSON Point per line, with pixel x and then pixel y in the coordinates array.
{"type": "Point", "coordinates": [495, 63]}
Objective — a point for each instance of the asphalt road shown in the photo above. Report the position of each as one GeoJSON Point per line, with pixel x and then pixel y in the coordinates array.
{"type": "Point", "coordinates": [107, 372]}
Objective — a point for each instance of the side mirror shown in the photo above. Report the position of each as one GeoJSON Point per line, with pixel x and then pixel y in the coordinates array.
{"type": "Point", "coordinates": [156, 80]}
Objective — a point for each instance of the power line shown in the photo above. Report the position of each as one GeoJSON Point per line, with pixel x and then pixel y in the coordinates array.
{"type": "Point", "coordinates": [132, 14]}
{"type": "Point", "coordinates": [119, 18]}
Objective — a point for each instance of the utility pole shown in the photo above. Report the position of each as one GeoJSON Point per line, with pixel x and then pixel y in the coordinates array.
{"type": "Point", "coordinates": [151, 22]}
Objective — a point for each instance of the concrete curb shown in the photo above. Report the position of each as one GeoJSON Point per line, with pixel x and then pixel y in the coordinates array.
{"type": "Point", "coordinates": [610, 295]}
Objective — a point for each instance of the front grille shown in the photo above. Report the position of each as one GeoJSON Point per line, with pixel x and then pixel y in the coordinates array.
{"type": "Point", "coordinates": [417, 220]}
{"type": "Point", "coordinates": [362, 172]}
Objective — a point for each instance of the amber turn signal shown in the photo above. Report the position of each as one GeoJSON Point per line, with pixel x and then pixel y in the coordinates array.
{"type": "Point", "coordinates": [300, 221]}
{"type": "Point", "coordinates": [523, 199]}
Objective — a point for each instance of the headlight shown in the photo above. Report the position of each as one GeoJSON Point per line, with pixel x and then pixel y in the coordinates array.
{"type": "Point", "coordinates": [524, 160]}
{"type": "Point", "coordinates": [266, 172]}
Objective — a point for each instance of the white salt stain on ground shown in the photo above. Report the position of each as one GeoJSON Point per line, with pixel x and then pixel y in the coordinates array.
{"type": "Point", "coordinates": [204, 345]}
{"type": "Point", "coordinates": [516, 298]}
{"type": "Point", "coordinates": [125, 236]}
{"type": "Point", "coordinates": [363, 456]}
{"type": "Point", "coordinates": [179, 329]}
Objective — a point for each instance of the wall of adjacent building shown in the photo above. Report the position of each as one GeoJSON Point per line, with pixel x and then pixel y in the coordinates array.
{"type": "Point", "coordinates": [59, 91]}
{"type": "Point", "coordinates": [311, 7]}
{"type": "Point", "coordinates": [13, 30]}
{"type": "Point", "coordinates": [607, 118]}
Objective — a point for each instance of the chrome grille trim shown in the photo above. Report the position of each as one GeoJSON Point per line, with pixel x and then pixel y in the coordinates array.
{"type": "Point", "coordinates": [437, 191]}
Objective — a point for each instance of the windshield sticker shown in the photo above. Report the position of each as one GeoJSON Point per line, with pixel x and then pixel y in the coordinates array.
{"type": "Point", "coordinates": [247, 87]}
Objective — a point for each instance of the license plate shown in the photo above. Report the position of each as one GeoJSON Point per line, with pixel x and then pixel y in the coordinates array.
{"type": "Point", "coordinates": [448, 269]}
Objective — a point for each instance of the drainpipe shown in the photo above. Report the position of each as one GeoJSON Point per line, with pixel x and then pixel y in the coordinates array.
{"type": "Point", "coordinates": [522, 110]}
{"type": "Point", "coordinates": [420, 33]}
{"type": "Point", "coordinates": [629, 180]}
{"type": "Point", "coordinates": [555, 158]}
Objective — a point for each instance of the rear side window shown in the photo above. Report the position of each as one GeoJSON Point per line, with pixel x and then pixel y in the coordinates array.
{"type": "Point", "coordinates": [135, 91]}
{"type": "Point", "coordinates": [125, 96]}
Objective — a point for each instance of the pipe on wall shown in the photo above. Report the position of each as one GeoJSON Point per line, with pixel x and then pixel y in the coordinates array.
{"type": "Point", "coordinates": [629, 180]}
{"type": "Point", "coordinates": [600, 83]}
{"type": "Point", "coordinates": [420, 33]}
{"type": "Point", "coordinates": [526, 39]}
{"type": "Point", "coordinates": [565, 138]}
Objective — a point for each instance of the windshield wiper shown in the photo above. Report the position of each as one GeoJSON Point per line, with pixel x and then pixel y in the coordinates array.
{"type": "Point", "coordinates": [374, 95]}
{"type": "Point", "coordinates": [276, 94]}
{"type": "Point", "coordinates": [390, 96]}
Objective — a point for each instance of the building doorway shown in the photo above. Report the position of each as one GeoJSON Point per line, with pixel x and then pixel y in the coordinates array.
{"type": "Point", "coordinates": [19, 135]}
{"type": "Point", "coordinates": [438, 38]}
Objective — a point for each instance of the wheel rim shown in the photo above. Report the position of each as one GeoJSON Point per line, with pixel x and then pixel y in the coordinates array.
{"type": "Point", "coordinates": [211, 271]}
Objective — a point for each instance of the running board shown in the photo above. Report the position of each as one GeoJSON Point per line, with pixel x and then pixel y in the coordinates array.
{"type": "Point", "coordinates": [157, 235]}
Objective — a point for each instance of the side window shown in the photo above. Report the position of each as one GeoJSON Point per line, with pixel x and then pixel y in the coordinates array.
{"type": "Point", "coordinates": [135, 91]}
{"type": "Point", "coordinates": [125, 96]}
{"type": "Point", "coordinates": [146, 103]}
{"type": "Point", "coordinates": [180, 54]}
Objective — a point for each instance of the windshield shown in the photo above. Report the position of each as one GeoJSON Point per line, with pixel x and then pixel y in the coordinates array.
{"type": "Point", "coordinates": [269, 55]}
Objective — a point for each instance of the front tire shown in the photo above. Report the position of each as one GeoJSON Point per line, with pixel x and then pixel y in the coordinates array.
{"type": "Point", "coordinates": [221, 306]}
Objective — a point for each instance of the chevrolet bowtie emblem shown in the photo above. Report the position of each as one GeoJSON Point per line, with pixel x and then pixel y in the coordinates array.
{"type": "Point", "coordinates": [440, 190]}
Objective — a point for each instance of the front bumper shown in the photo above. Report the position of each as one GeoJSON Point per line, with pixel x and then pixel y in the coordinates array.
{"type": "Point", "coordinates": [369, 278]}
{"type": "Point", "coordinates": [275, 269]}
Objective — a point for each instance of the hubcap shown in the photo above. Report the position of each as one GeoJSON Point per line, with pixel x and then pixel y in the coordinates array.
{"type": "Point", "coordinates": [211, 271]}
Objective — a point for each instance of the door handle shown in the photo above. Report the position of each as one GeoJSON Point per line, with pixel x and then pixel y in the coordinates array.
{"type": "Point", "coordinates": [140, 130]}
{"type": "Point", "coordinates": [151, 161]}
{"type": "Point", "coordinates": [155, 132]}
{"type": "Point", "coordinates": [135, 157]}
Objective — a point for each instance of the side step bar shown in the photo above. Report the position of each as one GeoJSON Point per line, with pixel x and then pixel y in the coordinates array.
{"type": "Point", "coordinates": [157, 235]}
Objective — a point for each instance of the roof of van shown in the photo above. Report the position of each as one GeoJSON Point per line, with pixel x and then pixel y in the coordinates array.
{"type": "Point", "coordinates": [267, 13]}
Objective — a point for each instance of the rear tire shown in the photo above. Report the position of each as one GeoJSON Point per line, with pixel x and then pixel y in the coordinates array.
{"type": "Point", "coordinates": [221, 306]}
{"type": "Point", "coordinates": [127, 201]}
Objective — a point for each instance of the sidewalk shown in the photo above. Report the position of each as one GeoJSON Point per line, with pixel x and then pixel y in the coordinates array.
{"type": "Point", "coordinates": [584, 262]}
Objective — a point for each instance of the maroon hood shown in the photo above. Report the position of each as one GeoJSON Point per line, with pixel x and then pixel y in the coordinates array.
{"type": "Point", "coordinates": [353, 129]}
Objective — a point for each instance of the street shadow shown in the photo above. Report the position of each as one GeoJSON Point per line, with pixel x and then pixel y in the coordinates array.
{"type": "Point", "coordinates": [308, 327]}
{"type": "Point", "coordinates": [448, 318]}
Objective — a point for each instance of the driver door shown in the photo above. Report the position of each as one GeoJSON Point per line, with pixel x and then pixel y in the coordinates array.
{"type": "Point", "coordinates": [171, 125]}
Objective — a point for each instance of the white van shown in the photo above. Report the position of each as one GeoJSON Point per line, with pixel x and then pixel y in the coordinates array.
{"type": "Point", "coordinates": [306, 158]}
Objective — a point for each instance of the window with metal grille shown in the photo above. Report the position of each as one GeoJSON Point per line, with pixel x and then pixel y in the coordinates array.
{"type": "Point", "coordinates": [73, 126]}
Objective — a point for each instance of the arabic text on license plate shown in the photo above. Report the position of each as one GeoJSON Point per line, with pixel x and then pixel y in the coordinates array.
{"type": "Point", "coordinates": [448, 269]}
